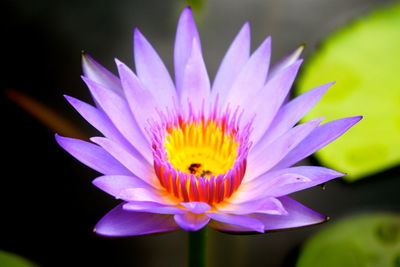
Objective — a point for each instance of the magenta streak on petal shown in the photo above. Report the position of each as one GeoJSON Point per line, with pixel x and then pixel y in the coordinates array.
{"type": "Point", "coordinates": [319, 138]}
{"type": "Point", "coordinates": [119, 222]}
{"type": "Point", "coordinates": [92, 155]}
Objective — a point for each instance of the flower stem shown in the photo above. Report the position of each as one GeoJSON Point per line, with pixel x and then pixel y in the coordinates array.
{"type": "Point", "coordinates": [197, 248]}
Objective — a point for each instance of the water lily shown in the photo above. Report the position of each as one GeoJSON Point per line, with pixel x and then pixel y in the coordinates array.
{"type": "Point", "coordinates": [189, 153]}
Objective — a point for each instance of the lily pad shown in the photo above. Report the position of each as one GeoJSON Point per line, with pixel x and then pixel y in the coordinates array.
{"type": "Point", "coordinates": [8, 259]}
{"type": "Point", "coordinates": [364, 60]}
{"type": "Point", "coordinates": [371, 240]}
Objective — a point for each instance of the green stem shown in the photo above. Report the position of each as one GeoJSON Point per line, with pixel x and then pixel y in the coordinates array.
{"type": "Point", "coordinates": [197, 248]}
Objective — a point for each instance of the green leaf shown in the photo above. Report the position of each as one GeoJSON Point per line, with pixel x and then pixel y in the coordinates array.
{"type": "Point", "coordinates": [8, 259]}
{"type": "Point", "coordinates": [371, 240]}
{"type": "Point", "coordinates": [364, 60]}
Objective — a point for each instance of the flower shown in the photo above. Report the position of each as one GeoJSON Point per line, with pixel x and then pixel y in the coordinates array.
{"type": "Point", "coordinates": [188, 154]}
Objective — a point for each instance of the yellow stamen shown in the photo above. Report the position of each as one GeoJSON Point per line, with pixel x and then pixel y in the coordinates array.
{"type": "Point", "coordinates": [202, 149]}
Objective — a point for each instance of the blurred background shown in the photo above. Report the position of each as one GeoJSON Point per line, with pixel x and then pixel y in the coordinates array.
{"type": "Point", "coordinates": [48, 204]}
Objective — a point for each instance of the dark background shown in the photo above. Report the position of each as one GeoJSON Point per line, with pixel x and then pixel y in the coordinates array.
{"type": "Point", "coordinates": [48, 204]}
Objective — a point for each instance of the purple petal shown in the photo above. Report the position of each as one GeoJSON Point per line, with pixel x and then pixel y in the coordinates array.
{"type": "Point", "coordinates": [97, 73]}
{"type": "Point", "coordinates": [195, 84]}
{"type": "Point", "coordinates": [152, 71]}
{"type": "Point", "coordinates": [191, 222]}
{"type": "Point", "coordinates": [232, 63]}
{"type": "Point", "coordinates": [225, 221]}
{"type": "Point", "coordinates": [267, 155]}
{"type": "Point", "coordinates": [282, 182]}
{"type": "Point", "coordinates": [98, 119]}
{"type": "Point", "coordinates": [152, 207]}
{"type": "Point", "coordinates": [118, 111]}
{"type": "Point", "coordinates": [147, 195]}
{"type": "Point", "coordinates": [136, 165]}
{"type": "Point", "coordinates": [267, 102]}
{"type": "Point", "coordinates": [268, 205]}
{"type": "Point", "coordinates": [92, 156]}
{"type": "Point", "coordinates": [298, 216]}
{"type": "Point", "coordinates": [119, 222]}
{"type": "Point", "coordinates": [251, 77]}
{"type": "Point", "coordinates": [185, 34]}
{"type": "Point", "coordinates": [285, 62]}
{"type": "Point", "coordinates": [142, 102]}
{"type": "Point", "coordinates": [292, 112]}
{"type": "Point", "coordinates": [196, 207]}
{"type": "Point", "coordinates": [115, 184]}
{"type": "Point", "coordinates": [319, 138]}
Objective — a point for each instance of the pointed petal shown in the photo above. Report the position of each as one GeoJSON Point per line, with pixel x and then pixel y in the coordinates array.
{"type": "Point", "coordinates": [98, 119]}
{"type": "Point", "coordinates": [185, 34]}
{"type": "Point", "coordinates": [268, 101]}
{"type": "Point", "coordinates": [292, 112]}
{"type": "Point", "coordinates": [118, 111]}
{"type": "Point", "coordinates": [191, 222]}
{"type": "Point", "coordinates": [135, 164]}
{"type": "Point", "coordinates": [92, 156]}
{"type": "Point", "coordinates": [282, 182]}
{"type": "Point", "coordinates": [285, 62]}
{"type": "Point", "coordinates": [147, 195]}
{"type": "Point", "coordinates": [298, 216]}
{"type": "Point", "coordinates": [232, 63]}
{"type": "Point", "coordinates": [268, 205]}
{"type": "Point", "coordinates": [152, 71]}
{"type": "Point", "coordinates": [196, 84]}
{"type": "Point", "coordinates": [142, 103]}
{"type": "Point", "coordinates": [196, 207]}
{"type": "Point", "coordinates": [119, 222]}
{"type": "Point", "coordinates": [251, 77]}
{"type": "Point", "coordinates": [115, 184]}
{"type": "Point", "coordinates": [97, 73]}
{"type": "Point", "coordinates": [268, 155]}
{"type": "Point", "coordinates": [152, 207]}
{"type": "Point", "coordinates": [319, 138]}
{"type": "Point", "coordinates": [225, 220]}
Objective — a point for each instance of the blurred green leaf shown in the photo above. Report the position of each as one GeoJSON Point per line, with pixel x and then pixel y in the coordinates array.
{"type": "Point", "coordinates": [8, 259]}
{"type": "Point", "coordinates": [364, 240]}
{"type": "Point", "coordinates": [196, 5]}
{"type": "Point", "coordinates": [364, 59]}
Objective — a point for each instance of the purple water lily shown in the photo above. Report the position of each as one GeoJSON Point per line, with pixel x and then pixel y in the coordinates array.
{"type": "Point", "coordinates": [189, 153]}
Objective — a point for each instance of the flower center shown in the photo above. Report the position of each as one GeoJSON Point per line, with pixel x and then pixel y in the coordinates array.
{"type": "Point", "coordinates": [199, 157]}
{"type": "Point", "coordinates": [201, 149]}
